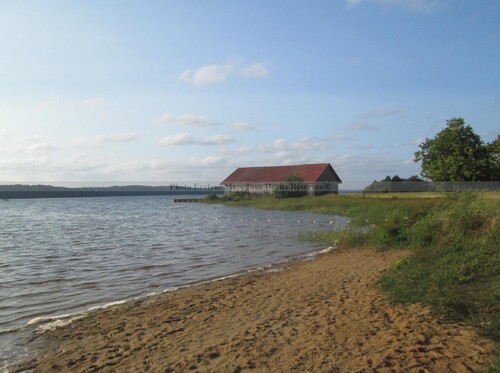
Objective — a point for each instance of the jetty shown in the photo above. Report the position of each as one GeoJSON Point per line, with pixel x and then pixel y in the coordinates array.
{"type": "Point", "coordinates": [189, 199]}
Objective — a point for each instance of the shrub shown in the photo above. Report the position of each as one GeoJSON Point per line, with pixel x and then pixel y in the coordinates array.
{"type": "Point", "coordinates": [292, 186]}
{"type": "Point", "coordinates": [212, 196]}
{"type": "Point", "coordinates": [238, 196]}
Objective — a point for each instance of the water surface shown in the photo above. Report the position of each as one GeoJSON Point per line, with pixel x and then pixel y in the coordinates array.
{"type": "Point", "coordinates": [64, 256]}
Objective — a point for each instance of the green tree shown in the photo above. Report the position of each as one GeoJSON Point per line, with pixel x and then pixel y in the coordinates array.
{"type": "Point", "coordinates": [292, 186]}
{"type": "Point", "coordinates": [494, 149]}
{"type": "Point", "coordinates": [455, 154]}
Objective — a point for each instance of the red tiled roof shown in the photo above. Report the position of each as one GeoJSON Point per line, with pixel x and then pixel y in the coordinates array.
{"type": "Point", "coordinates": [276, 174]}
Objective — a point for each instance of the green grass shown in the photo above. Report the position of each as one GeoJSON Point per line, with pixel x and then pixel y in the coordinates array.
{"type": "Point", "coordinates": [455, 268]}
{"type": "Point", "coordinates": [456, 265]}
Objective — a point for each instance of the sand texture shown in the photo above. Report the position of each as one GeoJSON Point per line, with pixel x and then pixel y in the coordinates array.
{"type": "Point", "coordinates": [321, 315]}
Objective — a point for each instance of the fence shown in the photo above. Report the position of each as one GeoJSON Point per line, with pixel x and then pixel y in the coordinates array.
{"type": "Point", "coordinates": [422, 186]}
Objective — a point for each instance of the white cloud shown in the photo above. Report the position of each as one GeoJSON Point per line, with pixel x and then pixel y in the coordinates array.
{"type": "Point", "coordinates": [216, 140]}
{"type": "Point", "coordinates": [81, 164]}
{"type": "Point", "coordinates": [35, 145]}
{"type": "Point", "coordinates": [121, 137]}
{"type": "Point", "coordinates": [41, 168]}
{"type": "Point", "coordinates": [281, 156]}
{"type": "Point", "coordinates": [91, 169]}
{"type": "Point", "coordinates": [179, 139]}
{"type": "Point", "coordinates": [41, 148]}
{"type": "Point", "coordinates": [192, 120]}
{"type": "Point", "coordinates": [302, 145]}
{"type": "Point", "coordinates": [23, 165]}
{"type": "Point", "coordinates": [255, 70]}
{"type": "Point", "coordinates": [101, 140]}
{"type": "Point", "coordinates": [210, 74]}
{"type": "Point", "coordinates": [208, 162]}
{"type": "Point", "coordinates": [305, 149]}
{"type": "Point", "coordinates": [219, 74]}
{"type": "Point", "coordinates": [417, 6]}
{"type": "Point", "coordinates": [94, 102]}
{"type": "Point", "coordinates": [141, 168]}
{"type": "Point", "coordinates": [280, 143]}
{"type": "Point", "coordinates": [242, 126]}
{"type": "Point", "coordinates": [212, 160]}
{"type": "Point", "coordinates": [187, 120]}
{"type": "Point", "coordinates": [201, 121]}
{"type": "Point", "coordinates": [186, 138]}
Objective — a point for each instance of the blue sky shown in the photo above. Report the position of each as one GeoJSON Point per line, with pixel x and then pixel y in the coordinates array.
{"type": "Point", "coordinates": [187, 91]}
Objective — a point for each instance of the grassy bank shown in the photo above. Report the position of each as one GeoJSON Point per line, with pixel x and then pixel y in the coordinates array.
{"type": "Point", "coordinates": [455, 238]}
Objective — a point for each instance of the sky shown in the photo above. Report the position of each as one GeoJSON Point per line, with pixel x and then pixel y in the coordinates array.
{"type": "Point", "coordinates": [159, 92]}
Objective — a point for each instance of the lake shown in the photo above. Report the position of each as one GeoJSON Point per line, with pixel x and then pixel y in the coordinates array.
{"type": "Point", "coordinates": [62, 257]}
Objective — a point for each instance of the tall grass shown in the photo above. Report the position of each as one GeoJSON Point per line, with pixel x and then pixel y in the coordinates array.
{"type": "Point", "coordinates": [455, 267]}
{"type": "Point", "coordinates": [388, 219]}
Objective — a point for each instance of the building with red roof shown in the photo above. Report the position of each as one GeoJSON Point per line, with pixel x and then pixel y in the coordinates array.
{"type": "Point", "coordinates": [319, 178]}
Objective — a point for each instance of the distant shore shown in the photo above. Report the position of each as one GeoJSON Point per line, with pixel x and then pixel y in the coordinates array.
{"type": "Point", "coordinates": [48, 191]}
{"type": "Point", "coordinates": [315, 315]}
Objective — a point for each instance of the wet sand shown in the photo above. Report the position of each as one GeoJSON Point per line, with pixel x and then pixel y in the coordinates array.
{"type": "Point", "coordinates": [321, 315]}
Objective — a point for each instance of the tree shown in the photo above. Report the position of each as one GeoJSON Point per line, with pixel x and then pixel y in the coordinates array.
{"type": "Point", "coordinates": [292, 186]}
{"type": "Point", "coordinates": [494, 149]}
{"type": "Point", "coordinates": [414, 178]}
{"type": "Point", "coordinates": [455, 154]}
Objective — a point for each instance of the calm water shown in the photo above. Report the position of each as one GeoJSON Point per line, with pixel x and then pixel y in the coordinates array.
{"type": "Point", "coordinates": [64, 256]}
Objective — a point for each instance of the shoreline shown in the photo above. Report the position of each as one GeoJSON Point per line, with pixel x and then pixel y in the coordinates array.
{"type": "Point", "coordinates": [37, 326]}
{"type": "Point", "coordinates": [320, 314]}
{"type": "Point", "coordinates": [43, 322]}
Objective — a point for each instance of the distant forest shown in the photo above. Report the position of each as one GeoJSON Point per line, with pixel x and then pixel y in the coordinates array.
{"type": "Point", "coordinates": [48, 191]}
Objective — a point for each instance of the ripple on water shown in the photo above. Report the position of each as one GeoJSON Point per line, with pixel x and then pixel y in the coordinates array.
{"type": "Point", "coordinates": [64, 256]}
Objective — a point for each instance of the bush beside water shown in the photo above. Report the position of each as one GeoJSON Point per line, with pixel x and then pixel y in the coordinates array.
{"type": "Point", "coordinates": [455, 267]}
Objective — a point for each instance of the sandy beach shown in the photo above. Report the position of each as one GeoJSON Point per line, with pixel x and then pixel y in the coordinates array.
{"type": "Point", "coordinates": [320, 315]}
